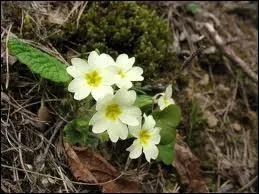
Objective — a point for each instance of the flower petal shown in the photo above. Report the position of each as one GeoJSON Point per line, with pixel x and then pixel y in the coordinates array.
{"type": "Point", "coordinates": [80, 89]}
{"type": "Point", "coordinates": [149, 123]}
{"type": "Point", "coordinates": [150, 151]}
{"type": "Point", "coordinates": [135, 149]}
{"type": "Point", "coordinates": [156, 136]}
{"type": "Point", "coordinates": [125, 97]}
{"type": "Point", "coordinates": [168, 91]}
{"type": "Point", "coordinates": [74, 72]}
{"type": "Point", "coordinates": [105, 60]}
{"type": "Point", "coordinates": [92, 58]}
{"type": "Point", "coordinates": [134, 130]}
{"type": "Point", "coordinates": [109, 78]}
{"type": "Point", "coordinates": [161, 103]}
{"type": "Point", "coordinates": [102, 102]}
{"type": "Point", "coordinates": [100, 126]}
{"type": "Point", "coordinates": [130, 116]}
{"type": "Point", "coordinates": [125, 62]}
{"type": "Point", "coordinates": [124, 83]}
{"type": "Point", "coordinates": [123, 130]}
{"type": "Point", "coordinates": [76, 85]}
{"type": "Point", "coordinates": [135, 73]}
{"type": "Point", "coordinates": [101, 91]}
{"type": "Point", "coordinates": [171, 101]}
{"type": "Point", "coordinates": [83, 93]}
{"type": "Point", "coordinates": [117, 130]}
{"type": "Point", "coordinates": [96, 117]}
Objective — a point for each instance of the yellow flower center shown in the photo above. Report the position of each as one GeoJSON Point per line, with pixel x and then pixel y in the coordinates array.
{"type": "Point", "coordinates": [93, 78]}
{"type": "Point", "coordinates": [121, 73]}
{"type": "Point", "coordinates": [144, 136]}
{"type": "Point", "coordinates": [113, 111]}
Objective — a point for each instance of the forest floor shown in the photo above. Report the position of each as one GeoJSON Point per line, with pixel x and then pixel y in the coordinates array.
{"type": "Point", "coordinates": [216, 88]}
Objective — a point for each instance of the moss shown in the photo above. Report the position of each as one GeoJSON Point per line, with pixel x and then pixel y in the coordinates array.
{"type": "Point", "coordinates": [121, 27]}
{"type": "Point", "coordinates": [111, 27]}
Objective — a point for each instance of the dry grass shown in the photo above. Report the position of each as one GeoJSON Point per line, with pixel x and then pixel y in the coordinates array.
{"type": "Point", "coordinates": [33, 158]}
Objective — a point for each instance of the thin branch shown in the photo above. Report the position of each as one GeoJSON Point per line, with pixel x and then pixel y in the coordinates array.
{"type": "Point", "coordinates": [191, 57]}
{"type": "Point", "coordinates": [229, 52]}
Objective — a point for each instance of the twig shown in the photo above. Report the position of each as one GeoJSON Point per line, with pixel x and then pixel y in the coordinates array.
{"type": "Point", "coordinates": [7, 60]}
{"type": "Point", "coordinates": [58, 126]}
{"type": "Point", "coordinates": [244, 95]}
{"type": "Point", "coordinates": [191, 57]}
{"type": "Point", "coordinates": [60, 179]}
{"type": "Point", "coordinates": [38, 102]}
{"type": "Point", "coordinates": [230, 102]}
{"type": "Point", "coordinates": [229, 52]}
{"type": "Point", "coordinates": [76, 5]}
{"type": "Point", "coordinates": [21, 159]}
{"type": "Point", "coordinates": [80, 13]}
{"type": "Point", "coordinates": [248, 184]}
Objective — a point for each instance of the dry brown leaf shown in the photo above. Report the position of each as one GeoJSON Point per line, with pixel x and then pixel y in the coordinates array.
{"type": "Point", "coordinates": [188, 167]}
{"type": "Point", "coordinates": [43, 116]}
{"type": "Point", "coordinates": [90, 167]}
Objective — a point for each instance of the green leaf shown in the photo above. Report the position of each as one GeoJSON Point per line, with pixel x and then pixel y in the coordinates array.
{"type": "Point", "coordinates": [39, 62]}
{"type": "Point", "coordinates": [167, 120]}
{"type": "Point", "coordinates": [166, 153]}
{"type": "Point", "coordinates": [193, 8]}
{"type": "Point", "coordinates": [103, 136]}
{"type": "Point", "coordinates": [78, 131]}
{"type": "Point", "coordinates": [143, 100]}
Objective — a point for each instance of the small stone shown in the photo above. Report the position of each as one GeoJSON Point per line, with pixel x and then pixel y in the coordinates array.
{"type": "Point", "coordinates": [222, 88]}
{"type": "Point", "coordinates": [205, 80]}
{"type": "Point", "coordinates": [29, 166]}
{"type": "Point", "coordinates": [236, 126]}
{"type": "Point", "coordinates": [210, 50]}
{"type": "Point", "coordinates": [189, 92]}
{"type": "Point", "coordinates": [45, 182]}
{"type": "Point", "coordinates": [202, 101]}
{"type": "Point", "coordinates": [212, 121]}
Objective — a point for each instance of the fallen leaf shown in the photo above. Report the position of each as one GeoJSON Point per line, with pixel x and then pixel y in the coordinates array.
{"type": "Point", "coordinates": [43, 116]}
{"type": "Point", "coordinates": [188, 167]}
{"type": "Point", "coordinates": [90, 167]}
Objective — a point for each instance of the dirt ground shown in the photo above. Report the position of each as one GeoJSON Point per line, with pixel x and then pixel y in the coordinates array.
{"type": "Point", "coordinates": [216, 88]}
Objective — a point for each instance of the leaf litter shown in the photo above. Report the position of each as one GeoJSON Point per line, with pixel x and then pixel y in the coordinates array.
{"type": "Point", "coordinates": [90, 167]}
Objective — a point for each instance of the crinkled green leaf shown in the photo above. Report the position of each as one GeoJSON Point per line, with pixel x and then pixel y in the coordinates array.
{"type": "Point", "coordinates": [166, 153]}
{"type": "Point", "coordinates": [38, 62]}
{"type": "Point", "coordinates": [143, 100]}
{"type": "Point", "coordinates": [167, 120]}
{"type": "Point", "coordinates": [78, 131]}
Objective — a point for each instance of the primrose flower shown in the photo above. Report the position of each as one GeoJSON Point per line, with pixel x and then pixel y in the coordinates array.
{"type": "Point", "coordinates": [91, 77]}
{"type": "Point", "coordinates": [165, 98]}
{"type": "Point", "coordinates": [125, 73]}
{"type": "Point", "coordinates": [147, 138]}
{"type": "Point", "coordinates": [114, 113]}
